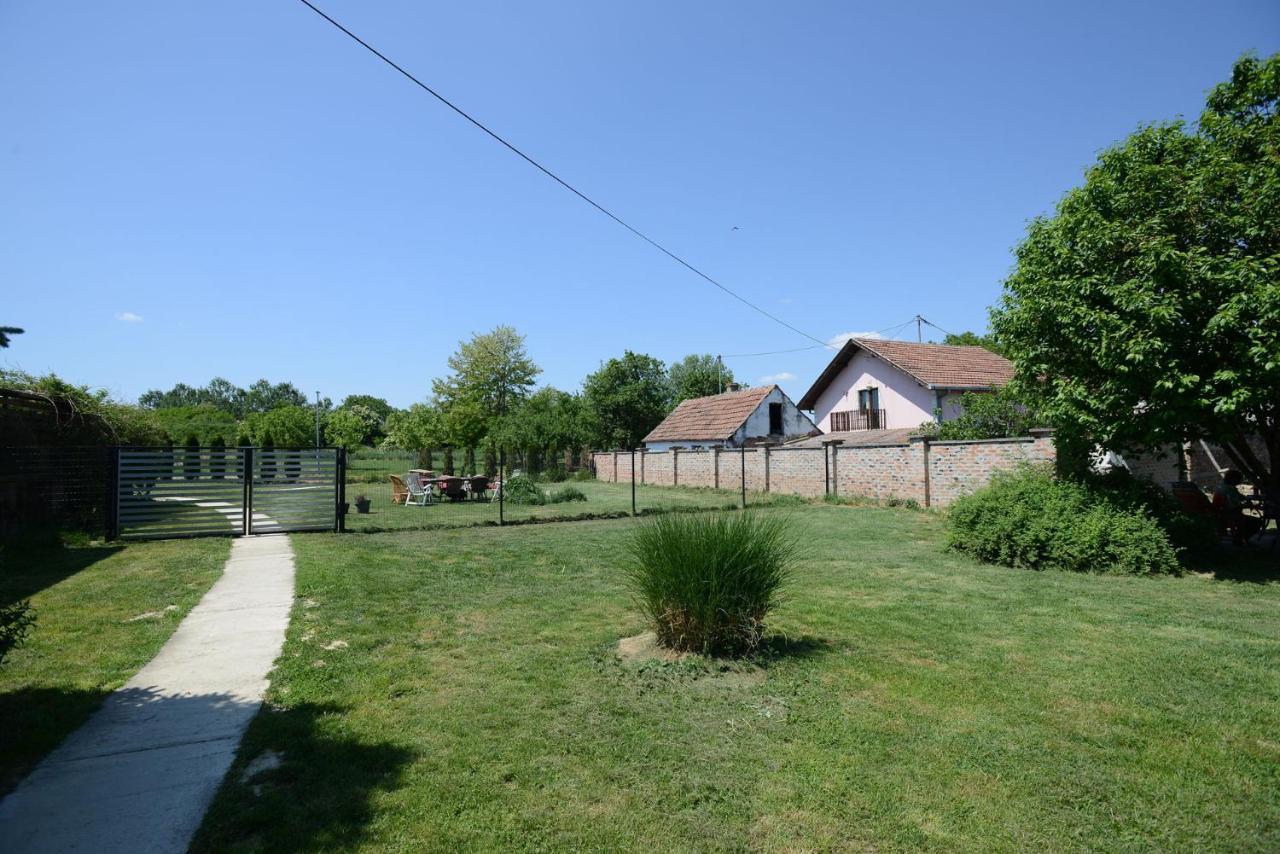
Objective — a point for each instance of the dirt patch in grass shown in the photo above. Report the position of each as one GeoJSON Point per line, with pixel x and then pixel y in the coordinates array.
{"type": "Point", "coordinates": [644, 647]}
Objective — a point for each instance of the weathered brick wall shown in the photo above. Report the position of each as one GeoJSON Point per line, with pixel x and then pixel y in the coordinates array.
{"type": "Point", "coordinates": [1204, 463]}
{"type": "Point", "coordinates": [1161, 467]}
{"type": "Point", "coordinates": [958, 468]}
{"type": "Point", "coordinates": [658, 469]}
{"type": "Point", "coordinates": [695, 468]}
{"type": "Point", "coordinates": [891, 471]}
{"type": "Point", "coordinates": [884, 471]}
{"type": "Point", "coordinates": [797, 471]}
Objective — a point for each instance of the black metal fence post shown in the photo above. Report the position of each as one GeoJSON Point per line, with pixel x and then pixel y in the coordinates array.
{"type": "Point", "coordinates": [633, 481]}
{"type": "Point", "coordinates": [340, 493]}
{"type": "Point", "coordinates": [744, 477]}
{"type": "Point", "coordinates": [246, 527]}
{"type": "Point", "coordinates": [502, 490]}
{"type": "Point", "coordinates": [111, 511]}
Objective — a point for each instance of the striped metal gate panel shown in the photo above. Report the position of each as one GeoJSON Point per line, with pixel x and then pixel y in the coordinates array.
{"type": "Point", "coordinates": [181, 492]}
{"type": "Point", "coordinates": [293, 490]}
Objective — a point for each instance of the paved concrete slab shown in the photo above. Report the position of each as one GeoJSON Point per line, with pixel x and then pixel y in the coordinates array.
{"type": "Point", "coordinates": [139, 775]}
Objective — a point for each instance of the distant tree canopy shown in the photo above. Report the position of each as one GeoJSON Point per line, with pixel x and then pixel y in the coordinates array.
{"type": "Point", "coordinates": [1146, 311]}
{"type": "Point", "coordinates": [625, 399]}
{"type": "Point", "coordinates": [222, 394]}
{"type": "Point", "coordinates": [548, 421]}
{"type": "Point", "coordinates": [698, 375]}
{"type": "Point", "coordinates": [490, 373]}
{"type": "Point", "coordinates": [974, 339]}
{"type": "Point", "coordinates": [285, 426]}
{"type": "Point", "coordinates": [377, 405]}
{"type": "Point", "coordinates": [204, 420]}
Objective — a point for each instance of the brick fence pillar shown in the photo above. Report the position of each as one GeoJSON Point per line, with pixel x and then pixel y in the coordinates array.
{"type": "Point", "coordinates": [1043, 447]}
{"type": "Point", "coordinates": [922, 443]}
{"type": "Point", "coordinates": [833, 448]}
{"type": "Point", "coordinates": [615, 466]}
{"type": "Point", "coordinates": [643, 451]}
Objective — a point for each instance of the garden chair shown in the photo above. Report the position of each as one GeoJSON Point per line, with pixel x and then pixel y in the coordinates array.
{"type": "Point", "coordinates": [420, 493]}
{"type": "Point", "coordinates": [453, 488]}
{"type": "Point", "coordinates": [477, 487]}
{"type": "Point", "coordinates": [399, 491]}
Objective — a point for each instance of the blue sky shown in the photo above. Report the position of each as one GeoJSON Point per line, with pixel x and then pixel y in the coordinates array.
{"type": "Point", "coordinates": [199, 189]}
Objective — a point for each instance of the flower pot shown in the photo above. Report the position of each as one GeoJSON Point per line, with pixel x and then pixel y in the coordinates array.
{"type": "Point", "coordinates": [363, 506]}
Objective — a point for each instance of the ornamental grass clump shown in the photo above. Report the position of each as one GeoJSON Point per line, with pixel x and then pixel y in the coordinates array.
{"type": "Point", "coordinates": [707, 582]}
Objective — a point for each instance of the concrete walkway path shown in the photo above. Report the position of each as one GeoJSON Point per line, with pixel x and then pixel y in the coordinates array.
{"type": "Point", "coordinates": [139, 775]}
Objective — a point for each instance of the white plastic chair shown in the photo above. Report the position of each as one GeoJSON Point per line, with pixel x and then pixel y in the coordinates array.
{"type": "Point", "coordinates": [420, 493]}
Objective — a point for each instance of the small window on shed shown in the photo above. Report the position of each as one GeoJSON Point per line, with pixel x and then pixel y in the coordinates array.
{"type": "Point", "coordinates": [775, 418]}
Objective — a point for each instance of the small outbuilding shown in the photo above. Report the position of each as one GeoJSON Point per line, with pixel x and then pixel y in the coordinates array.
{"type": "Point", "coordinates": [732, 419]}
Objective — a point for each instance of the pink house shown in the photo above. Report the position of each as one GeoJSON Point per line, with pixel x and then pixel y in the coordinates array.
{"type": "Point", "coordinates": [876, 384]}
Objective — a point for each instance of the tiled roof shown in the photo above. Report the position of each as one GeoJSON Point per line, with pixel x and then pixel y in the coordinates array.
{"type": "Point", "coordinates": [714, 418]}
{"type": "Point", "coordinates": [933, 365]}
{"type": "Point", "coordinates": [854, 438]}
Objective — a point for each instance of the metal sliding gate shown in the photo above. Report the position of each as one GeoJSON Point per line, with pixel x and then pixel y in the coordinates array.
{"type": "Point", "coordinates": [184, 492]}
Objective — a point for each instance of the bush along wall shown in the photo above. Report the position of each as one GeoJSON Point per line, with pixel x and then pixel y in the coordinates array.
{"type": "Point", "coordinates": [1033, 520]}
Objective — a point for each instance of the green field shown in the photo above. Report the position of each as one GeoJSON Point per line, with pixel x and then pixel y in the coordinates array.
{"type": "Point", "coordinates": [102, 611]}
{"type": "Point", "coordinates": [603, 498]}
{"type": "Point", "coordinates": [459, 690]}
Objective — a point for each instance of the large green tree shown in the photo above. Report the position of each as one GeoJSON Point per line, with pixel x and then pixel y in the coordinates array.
{"type": "Point", "coordinates": [974, 339]}
{"type": "Point", "coordinates": [698, 375]}
{"type": "Point", "coordinates": [1147, 310]}
{"type": "Point", "coordinates": [490, 376]}
{"type": "Point", "coordinates": [548, 422]}
{"type": "Point", "coordinates": [626, 399]}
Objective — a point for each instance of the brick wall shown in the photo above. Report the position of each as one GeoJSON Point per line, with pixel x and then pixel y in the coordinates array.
{"type": "Point", "coordinates": [796, 470]}
{"type": "Point", "coordinates": [958, 468]}
{"type": "Point", "coordinates": [876, 471]}
{"type": "Point", "coordinates": [889, 471]}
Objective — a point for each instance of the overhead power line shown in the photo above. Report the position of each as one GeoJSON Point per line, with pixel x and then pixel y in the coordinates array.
{"type": "Point", "coordinates": [553, 176]}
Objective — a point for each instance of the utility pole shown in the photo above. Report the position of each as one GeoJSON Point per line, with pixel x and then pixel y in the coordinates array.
{"type": "Point", "coordinates": [317, 419]}
{"type": "Point", "coordinates": [719, 375]}
{"type": "Point", "coordinates": [919, 334]}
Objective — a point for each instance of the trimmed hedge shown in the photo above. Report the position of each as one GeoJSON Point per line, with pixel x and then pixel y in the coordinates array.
{"type": "Point", "coordinates": [1032, 520]}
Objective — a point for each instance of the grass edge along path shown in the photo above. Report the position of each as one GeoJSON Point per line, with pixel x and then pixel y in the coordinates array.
{"type": "Point", "coordinates": [102, 612]}
{"type": "Point", "coordinates": [459, 690]}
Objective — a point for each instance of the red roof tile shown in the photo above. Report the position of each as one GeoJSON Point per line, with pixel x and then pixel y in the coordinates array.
{"type": "Point", "coordinates": [715, 418]}
{"type": "Point", "coordinates": [933, 365]}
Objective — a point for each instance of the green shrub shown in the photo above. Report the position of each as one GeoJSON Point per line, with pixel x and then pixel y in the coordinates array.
{"type": "Point", "coordinates": [553, 474]}
{"type": "Point", "coordinates": [16, 621]}
{"type": "Point", "coordinates": [1031, 519]}
{"type": "Point", "coordinates": [584, 474]}
{"type": "Point", "coordinates": [706, 582]}
{"type": "Point", "coordinates": [566, 493]}
{"type": "Point", "coordinates": [1193, 533]}
{"type": "Point", "coordinates": [521, 489]}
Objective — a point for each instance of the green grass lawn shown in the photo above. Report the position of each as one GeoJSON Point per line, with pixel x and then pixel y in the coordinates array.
{"type": "Point", "coordinates": [102, 611]}
{"type": "Point", "coordinates": [603, 498]}
{"type": "Point", "coordinates": [458, 689]}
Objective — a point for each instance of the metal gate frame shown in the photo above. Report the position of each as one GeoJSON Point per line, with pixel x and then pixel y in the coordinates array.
{"type": "Point", "coordinates": [225, 489]}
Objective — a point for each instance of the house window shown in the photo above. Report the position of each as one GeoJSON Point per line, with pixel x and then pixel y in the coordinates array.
{"type": "Point", "coordinates": [869, 399]}
{"type": "Point", "coordinates": [775, 419]}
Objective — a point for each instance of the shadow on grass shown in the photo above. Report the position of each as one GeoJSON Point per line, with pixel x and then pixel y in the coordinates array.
{"type": "Point", "coordinates": [29, 566]}
{"type": "Point", "coordinates": [1253, 563]}
{"type": "Point", "coordinates": [778, 647]}
{"type": "Point", "coordinates": [320, 796]}
{"type": "Point", "coordinates": [35, 721]}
